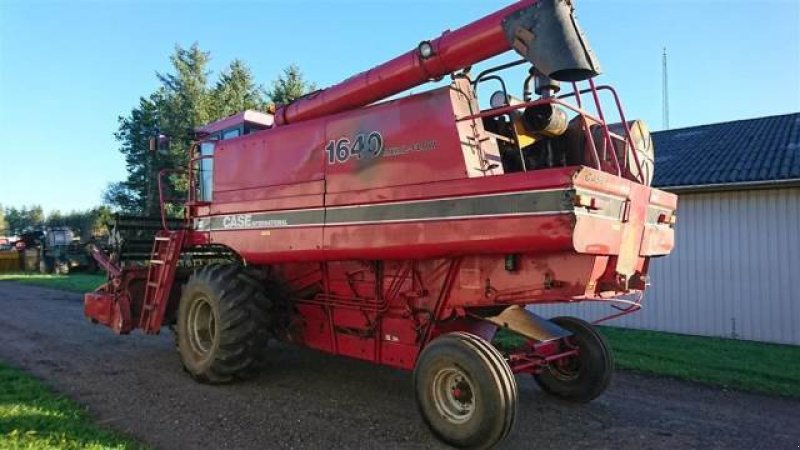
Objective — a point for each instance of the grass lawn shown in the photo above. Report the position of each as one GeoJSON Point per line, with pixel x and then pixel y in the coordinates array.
{"type": "Point", "coordinates": [743, 365]}
{"type": "Point", "coordinates": [76, 282]}
{"type": "Point", "coordinates": [34, 417]}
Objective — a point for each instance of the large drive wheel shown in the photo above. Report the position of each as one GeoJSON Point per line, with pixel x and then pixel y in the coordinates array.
{"type": "Point", "coordinates": [223, 324]}
{"type": "Point", "coordinates": [583, 377]}
{"type": "Point", "coordinates": [465, 391]}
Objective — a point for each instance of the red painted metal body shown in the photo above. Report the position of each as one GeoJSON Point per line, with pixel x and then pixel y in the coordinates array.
{"type": "Point", "coordinates": [390, 224]}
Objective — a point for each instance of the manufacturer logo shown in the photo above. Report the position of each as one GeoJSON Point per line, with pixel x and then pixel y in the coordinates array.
{"type": "Point", "coordinates": [595, 178]}
{"type": "Point", "coordinates": [237, 221]}
{"type": "Point", "coordinates": [246, 221]}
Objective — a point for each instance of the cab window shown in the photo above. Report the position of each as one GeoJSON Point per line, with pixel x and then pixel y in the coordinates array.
{"type": "Point", "coordinates": [232, 133]}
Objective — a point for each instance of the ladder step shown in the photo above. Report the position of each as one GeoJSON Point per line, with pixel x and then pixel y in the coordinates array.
{"type": "Point", "coordinates": [164, 256]}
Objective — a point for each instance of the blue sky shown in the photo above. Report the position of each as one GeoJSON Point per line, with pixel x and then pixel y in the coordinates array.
{"type": "Point", "coordinates": [69, 69]}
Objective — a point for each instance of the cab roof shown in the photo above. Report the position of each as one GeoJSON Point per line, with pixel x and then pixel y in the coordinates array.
{"type": "Point", "coordinates": [259, 118]}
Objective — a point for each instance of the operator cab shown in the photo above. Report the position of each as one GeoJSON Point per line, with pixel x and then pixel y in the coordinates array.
{"type": "Point", "coordinates": [228, 128]}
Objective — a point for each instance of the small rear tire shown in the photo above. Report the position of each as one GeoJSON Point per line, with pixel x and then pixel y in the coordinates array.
{"type": "Point", "coordinates": [466, 392]}
{"type": "Point", "coordinates": [223, 324]}
{"type": "Point", "coordinates": [583, 377]}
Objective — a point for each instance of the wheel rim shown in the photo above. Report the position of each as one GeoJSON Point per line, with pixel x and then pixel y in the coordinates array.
{"type": "Point", "coordinates": [453, 395]}
{"type": "Point", "coordinates": [201, 326]}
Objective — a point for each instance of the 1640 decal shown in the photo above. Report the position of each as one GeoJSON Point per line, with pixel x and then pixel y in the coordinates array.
{"type": "Point", "coordinates": [362, 146]}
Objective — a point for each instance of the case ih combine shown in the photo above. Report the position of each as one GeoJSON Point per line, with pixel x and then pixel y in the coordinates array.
{"type": "Point", "coordinates": [407, 232]}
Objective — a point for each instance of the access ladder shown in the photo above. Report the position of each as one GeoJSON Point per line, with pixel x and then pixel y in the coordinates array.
{"type": "Point", "coordinates": [160, 276]}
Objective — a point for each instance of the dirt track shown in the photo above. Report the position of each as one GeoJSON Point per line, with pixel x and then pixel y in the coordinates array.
{"type": "Point", "coordinates": [310, 400]}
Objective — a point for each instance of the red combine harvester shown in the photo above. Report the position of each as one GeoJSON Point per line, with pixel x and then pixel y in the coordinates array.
{"type": "Point", "coordinates": [408, 232]}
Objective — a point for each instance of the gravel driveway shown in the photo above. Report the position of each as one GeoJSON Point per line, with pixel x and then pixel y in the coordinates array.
{"type": "Point", "coordinates": [310, 400]}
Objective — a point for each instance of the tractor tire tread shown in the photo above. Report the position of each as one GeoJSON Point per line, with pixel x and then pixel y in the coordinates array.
{"type": "Point", "coordinates": [495, 368]}
{"type": "Point", "coordinates": [506, 376]}
{"type": "Point", "coordinates": [599, 381]}
{"type": "Point", "coordinates": [244, 324]}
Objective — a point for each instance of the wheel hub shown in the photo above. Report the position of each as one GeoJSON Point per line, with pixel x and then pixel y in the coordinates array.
{"type": "Point", "coordinates": [453, 395]}
{"type": "Point", "coordinates": [201, 326]}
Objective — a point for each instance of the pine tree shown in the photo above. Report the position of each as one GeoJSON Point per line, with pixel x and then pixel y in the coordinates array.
{"type": "Point", "coordinates": [187, 104]}
{"type": "Point", "coordinates": [55, 219]}
{"type": "Point", "coordinates": [236, 91]}
{"type": "Point", "coordinates": [178, 106]}
{"type": "Point", "coordinates": [36, 216]}
{"type": "Point", "coordinates": [138, 193]}
{"type": "Point", "coordinates": [186, 94]}
{"type": "Point", "coordinates": [13, 218]}
{"type": "Point", "coordinates": [289, 86]}
{"type": "Point", "coordinates": [183, 102]}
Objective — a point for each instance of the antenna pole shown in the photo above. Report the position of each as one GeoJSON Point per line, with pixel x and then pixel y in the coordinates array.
{"type": "Point", "coordinates": [665, 94]}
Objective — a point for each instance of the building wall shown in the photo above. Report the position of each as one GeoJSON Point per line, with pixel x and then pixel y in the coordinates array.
{"type": "Point", "coordinates": [735, 271]}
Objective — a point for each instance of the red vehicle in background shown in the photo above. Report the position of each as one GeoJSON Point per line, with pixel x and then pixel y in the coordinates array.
{"type": "Point", "coordinates": [408, 232]}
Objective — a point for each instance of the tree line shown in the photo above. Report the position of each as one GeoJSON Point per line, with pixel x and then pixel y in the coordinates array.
{"type": "Point", "coordinates": [87, 223]}
{"type": "Point", "coordinates": [185, 99]}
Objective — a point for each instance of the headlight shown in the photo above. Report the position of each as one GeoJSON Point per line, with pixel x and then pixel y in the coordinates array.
{"type": "Point", "coordinates": [425, 49]}
{"type": "Point", "coordinates": [498, 100]}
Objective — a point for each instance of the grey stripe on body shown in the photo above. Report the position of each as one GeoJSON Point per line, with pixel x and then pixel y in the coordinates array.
{"type": "Point", "coordinates": [506, 204]}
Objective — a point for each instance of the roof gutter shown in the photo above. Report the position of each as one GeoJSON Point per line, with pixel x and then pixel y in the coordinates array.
{"type": "Point", "coordinates": [744, 185]}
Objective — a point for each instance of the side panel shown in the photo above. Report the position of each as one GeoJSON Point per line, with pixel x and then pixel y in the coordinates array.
{"type": "Point", "coordinates": [427, 239]}
{"type": "Point", "coordinates": [280, 156]}
{"type": "Point", "coordinates": [420, 144]}
{"type": "Point", "coordinates": [275, 170]}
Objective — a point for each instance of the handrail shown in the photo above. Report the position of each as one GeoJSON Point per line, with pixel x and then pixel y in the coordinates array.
{"type": "Point", "coordinates": [608, 142]}
{"type": "Point", "coordinates": [628, 138]}
{"type": "Point", "coordinates": [481, 76]}
{"type": "Point", "coordinates": [190, 195]}
{"type": "Point", "coordinates": [506, 109]}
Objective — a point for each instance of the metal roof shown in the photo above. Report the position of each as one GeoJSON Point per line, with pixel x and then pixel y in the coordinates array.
{"type": "Point", "coordinates": [765, 150]}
